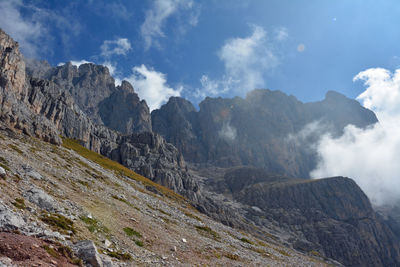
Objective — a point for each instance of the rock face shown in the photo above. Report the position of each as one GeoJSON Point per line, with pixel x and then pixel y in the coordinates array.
{"type": "Point", "coordinates": [124, 112]}
{"type": "Point", "coordinates": [15, 112]}
{"type": "Point", "coordinates": [255, 130]}
{"type": "Point", "coordinates": [331, 216]}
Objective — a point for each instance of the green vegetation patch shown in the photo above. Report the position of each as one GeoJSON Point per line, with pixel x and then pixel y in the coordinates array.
{"type": "Point", "coordinates": [130, 232]}
{"type": "Point", "coordinates": [190, 215]}
{"type": "Point", "coordinates": [93, 225]}
{"type": "Point", "coordinates": [139, 243]}
{"type": "Point", "coordinates": [231, 256]}
{"type": "Point", "coordinates": [16, 149]}
{"type": "Point", "coordinates": [19, 203]}
{"type": "Point", "coordinates": [124, 256]}
{"type": "Point", "coordinates": [4, 164]}
{"type": "Point", "coordinates": [118, 168]}
{"type": "Point", "coordinates": [208, 231]}
{"type": "Point", "coordinates": [121, 199]}
{"type": "Point", "coordinates": [245, 240]}
{"type": "Point", "coordinates": [52, 252]}
{"type": "Point", "coordinates": [59, 221]}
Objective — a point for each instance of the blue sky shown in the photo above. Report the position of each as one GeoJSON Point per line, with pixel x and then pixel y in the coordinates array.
{"type": "Point", "coordinates": [214, 47]}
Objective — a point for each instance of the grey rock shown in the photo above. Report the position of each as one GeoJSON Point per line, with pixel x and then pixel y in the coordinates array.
{"type": "Point", "coordinates": [123, 111]}
{"type": "Point", "coordinates": [254, 130]}
{"type": "Point", "coordinates": [2, 172]}
{"type": "Point", "coordinates": [86, 250]}
{"type": "Point", "coordinates": [41, 199]}
{"type": "Point", "coordinates": [35, 175]}
{"type": "Point", "coordinates": [332, 216]}
{"type": "Point", "coordinates": [15, 112]}
{"type": "Point", "coordinates": [9, 220]}
{"type": "Point", "coordinates": [6, 262]}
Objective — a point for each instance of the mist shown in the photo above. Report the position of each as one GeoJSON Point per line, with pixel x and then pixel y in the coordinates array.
{"type": "Point", "coordinates": [369, 156]}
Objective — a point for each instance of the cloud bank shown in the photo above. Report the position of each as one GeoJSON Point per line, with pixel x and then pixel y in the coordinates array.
{"type": "Point", "coordinates": [152, 86]}
{"type": "Point", "coordinates": [371, 157]}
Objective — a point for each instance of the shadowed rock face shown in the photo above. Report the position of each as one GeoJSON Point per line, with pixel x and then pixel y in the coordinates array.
{"type": "Point", "coordinates": [331, 216]}
{"type": "Point", "coordinates": [254, 131]}
{"type": "Point", "coordinates": [123, 111]}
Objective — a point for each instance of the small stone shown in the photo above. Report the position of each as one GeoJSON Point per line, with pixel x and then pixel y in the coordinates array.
{"type": "Point", "coordinates": [35, 175]}
{"type": "Point", "coordinates": [184, 240]}
{"type": "Point", "coordinates": [107, 243]}
{"type": "Point", "coordinates": [90, 216]}
{"type": "Point", "coordinates": [164, 257]}
{"type": "Point", "coordinates": [2, 172]}
{"type": "Point", "coordinates": [133, 219]}
{"type": "Point", "coordinates": [173, 248]}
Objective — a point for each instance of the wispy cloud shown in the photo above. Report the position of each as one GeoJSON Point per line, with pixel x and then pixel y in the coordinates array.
{"type": "Point", "coordinates": [156, 17]}
{"type": "Point", "coordinates": [152, 86]}
{"type": "Point", "coordinates": [28, 32]}
{"type": "Point", "coordinates": [245, 62]}
{"type": "Point", "coordinates": [31, 27]}
{"type": "Point", "coordinates": [281, 33]}
{"type": "Point", "coordinates": [118, 46]}
{"type": "Point", "coordinates": [369, 156]}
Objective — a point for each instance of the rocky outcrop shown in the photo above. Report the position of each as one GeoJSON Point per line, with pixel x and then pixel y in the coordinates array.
{"type": "Point", "coordinates": [331, 216]}
{"type": "Point", "coordinates": [86, 250]}
{"type": "Point", "coordinates": [254, 131]}
{"type": "Point", "coordinates": [15, 112]}
{"type": "Point", "coordinates": [124, 112]}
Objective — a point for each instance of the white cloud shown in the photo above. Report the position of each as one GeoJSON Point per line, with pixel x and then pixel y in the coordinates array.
{"type": "Point", "coordinates": [119, 46]}
{"type": "Point", "coordinates": [158, 14]}
{"type": "Point", "coordinates": [369, 156]}
{"type": "Point", "coordinates": [227, 132]}
{"type": "Point", "coordinates": [112, 68]}
{"type": "Point", "coordinates": [75, 62]}
{"type": "Point", "coordinates": [30, 26]}
{"type": "Point", "coordinates": [245, 62]}
{"type": "Point", "coordinates": [281, 33]}
{"type": "Point", "coordinates": [152, 86]}
{"type": "Point", "coordinates": [27, 32]}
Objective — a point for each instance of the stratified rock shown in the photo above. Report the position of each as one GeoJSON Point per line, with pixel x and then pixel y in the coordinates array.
{"type": "Point", "coordinates": [14, 111]}
{"type": "Point", "coordinates": [123, 111]}
{"type": "Point", "coordinates": [86, 250]}
{"type": "Point", "coordinates": [332, 216]}
{"type": "Point", "coordinates": [254, 131]}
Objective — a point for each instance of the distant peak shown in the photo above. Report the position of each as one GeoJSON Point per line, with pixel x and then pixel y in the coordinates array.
{"type": "Point", "coordinates": [334, 95]}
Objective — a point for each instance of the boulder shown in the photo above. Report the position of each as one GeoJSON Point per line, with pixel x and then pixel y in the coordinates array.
{"type": "Point", "coordinates": [41, 199]}
{"type": "Point", "coordinates": [2, 172]}
{"type": "Point", "coordinates": [86, 250]}
{"type": "Point", "coordinates": [9, 220]}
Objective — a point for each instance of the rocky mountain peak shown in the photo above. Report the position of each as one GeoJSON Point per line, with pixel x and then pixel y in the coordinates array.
{"type": "Point", "coordinates": [12, 65]}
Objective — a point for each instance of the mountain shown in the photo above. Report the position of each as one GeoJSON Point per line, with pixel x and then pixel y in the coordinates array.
{"type": "Point", "coordinates": [78, 150]}
{"type": "Point", "coordinates": [255, 131]}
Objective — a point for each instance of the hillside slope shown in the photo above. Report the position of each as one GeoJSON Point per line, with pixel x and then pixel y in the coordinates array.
{"type": "Point", "coordinates": [54, 193]}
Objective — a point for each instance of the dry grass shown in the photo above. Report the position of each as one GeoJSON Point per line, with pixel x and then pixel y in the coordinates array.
{"type": "Point", "coordinates": [118, 168]}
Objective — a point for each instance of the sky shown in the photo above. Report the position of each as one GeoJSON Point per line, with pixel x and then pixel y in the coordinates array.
{"type": "Point", "coordinates": [214, 47]}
